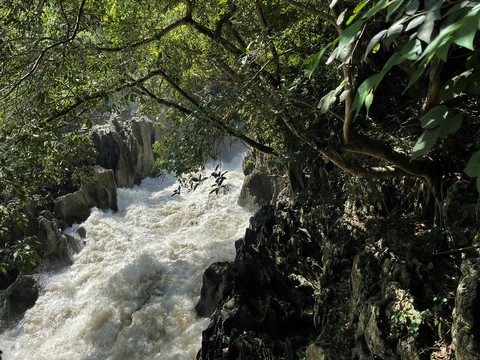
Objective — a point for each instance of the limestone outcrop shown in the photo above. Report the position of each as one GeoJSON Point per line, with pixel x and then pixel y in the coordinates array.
{"type": "Point", "coordinates": [261, 303]}
{"type": "Point", "coordinates": [100, 192]}
{"type": "Point", "coordinates": [124, 145]}
{"type": "Point", "coordinates": [260, 186]}
{"type": "Point", "coordinates": [18, 298]}
{"type": "Point", "coordinates": [301, 287]}
{"type": "Point", "coordinates": [466, 316]}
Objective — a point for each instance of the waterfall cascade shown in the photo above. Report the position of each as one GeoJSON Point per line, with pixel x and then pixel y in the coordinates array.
{"type": "Point", "coordinates": [131, 291]}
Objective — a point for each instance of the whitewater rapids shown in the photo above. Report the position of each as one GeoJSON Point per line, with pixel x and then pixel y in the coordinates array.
{"type": "Point", "coordinates": [131, 291]}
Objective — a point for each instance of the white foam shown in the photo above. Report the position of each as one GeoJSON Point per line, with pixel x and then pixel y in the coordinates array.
{"type": "Point", "coordinates": [131, 291]}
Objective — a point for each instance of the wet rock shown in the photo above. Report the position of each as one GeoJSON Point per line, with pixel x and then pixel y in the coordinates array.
{"type": "Point", "coordinates": [257, 190]}
{"type": "Point", "coordinates": [101, 192]}
{"type": "Point", "coordinates": [54, 247]}
{"type": "Point", "coordinates": [212, 289]}
{"type": "Point", "coordinates": [260, 187]}
{"type": "Point", "coordinates": [18, 298]}
{"type": "Point", "coordinates": [382, 291]}
{"type": "Point", "coordinates": [125, 146]}
{"type": "Point", "coordinates": [466, 314]}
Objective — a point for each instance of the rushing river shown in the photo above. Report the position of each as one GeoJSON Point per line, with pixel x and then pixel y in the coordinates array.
{"type": "Point", "coordinates": [131, 291]}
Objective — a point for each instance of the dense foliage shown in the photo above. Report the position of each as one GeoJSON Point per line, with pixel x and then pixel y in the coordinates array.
{"type": "Point", "coordinates": [380, 88]}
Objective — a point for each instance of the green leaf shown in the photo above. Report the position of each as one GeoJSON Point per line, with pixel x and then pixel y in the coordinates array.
{"type": "Point", "coordinates": [393, 33]}
{"type": "Point", "coordinates": [473, 165]}
{"type": "Point", "coordinates": [363, 91]}
{"type": "Point", "coordinates": [418, 73]}
{"type": "Point", "coordinates": [359, 7]}
{"type": "Point", "coordinates": [411, 50]}
{"type": "Point", "coordinates": [348, 34]}
{"type": "Point", "coordinates": [374, 41]}
{"type": "Point", "coordinates": [318, 56]}
{"type": "Point", "coordinates": [326, 102]}
{"type": "Point", "coordinates": [393, 7]}
{"type": "Point", "coordinates": [415, 22]}
{"type": "Point", "coordinates": [380, 5]}
{"type": "Point", "coordinates": [368, 101]}
{"type": "Point", "coordinates": [412, 7]}
{"type": "Point", "coordinates": [465, 35]}
{"type": "Point", "coordinates": [341, 17]}
{"type": "Point", "coordinates": [344, 95]}
{"type": "Point", "coordinates": [433, 117]}
{"type": "Point", "coordinates": [450, 125]}
{"type": "Point", "coordinates": [442, 51]}
{"type": "Point", "coordinates": [425, 143]}
{"type": "Point", "coordinates": [350, 19]}
{"type": "Point", "coordinates": [433, 14]}
{"type": "Point", "coordinates": [458, 84]}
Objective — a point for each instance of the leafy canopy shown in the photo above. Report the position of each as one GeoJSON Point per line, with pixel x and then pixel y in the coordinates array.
{"type": "Point", "coordinates": [378, 88]}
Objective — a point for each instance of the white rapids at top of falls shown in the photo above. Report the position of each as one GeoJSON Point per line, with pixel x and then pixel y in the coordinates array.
{"type": "Point", "coordinates": [131, 291]}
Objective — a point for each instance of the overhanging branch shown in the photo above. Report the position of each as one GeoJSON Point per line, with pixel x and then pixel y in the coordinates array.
{"type": "Point", "coordinates": [42, 54]}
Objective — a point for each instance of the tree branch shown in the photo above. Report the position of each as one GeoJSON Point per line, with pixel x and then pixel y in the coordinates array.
{"type": "Point", "coordinates": [331, 20]}
{"type": "Point", "coordinates": [264, 25]}
{"type": "Point", "coordinates": [42, 54]}
{"type": "Point", "coordinates": [219, 124]}
{"type": "Point", "coordinates": [157, 36]}
{"type": "Point", "coordinates": [188, 5]}
{"type": "Point", "coordinates": [164, 102]}
{"type": "Point", "coordinates": [384, 172]}
{"type": "Point", "coordinates": [216, 37]}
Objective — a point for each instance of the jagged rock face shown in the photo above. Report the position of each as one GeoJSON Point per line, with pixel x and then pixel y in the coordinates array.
{"type": "Point", "coordinates": [260, 186]}
{"type": "Point", "coordinates": [382, 286]}
{"type": "Point", "coordinates": [18, 298]}
{"type": "Point", "coordinates": [261, 303]}
{"type": "Point", "coordinates": [101, 192]}
{"type": "Point", "coordinates": [466, 315]}
{"type": "Point", "coordinates": [126, 147]}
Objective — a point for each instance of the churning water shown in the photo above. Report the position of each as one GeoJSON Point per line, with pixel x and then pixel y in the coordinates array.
{"type": "Point", "coordinates": [131, 291]}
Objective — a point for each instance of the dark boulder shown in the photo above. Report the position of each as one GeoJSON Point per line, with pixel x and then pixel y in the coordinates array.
{"type": "Point", "coordinates": [261, 303]}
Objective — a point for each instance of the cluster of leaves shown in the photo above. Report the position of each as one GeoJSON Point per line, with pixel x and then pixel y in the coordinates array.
{"type": "Point", "coordinates": [16, 252]}
{"type": "Point", "coordinates": [196, 181]}
{"type": "Point", "coordinates": [422, 38]}
{"type": "Point", "coordinates": [245, 69]}
{"type": "Point", "coordinates": [437, 317]}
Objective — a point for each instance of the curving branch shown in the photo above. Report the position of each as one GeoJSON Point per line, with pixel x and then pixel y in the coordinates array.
{"type": "Point", "coordinates": [42, 54]}
{"type": "Point", "coordinates": [227, 45]}
{"type": "Point", "coordinates": [225, 19]}
{"type": "Point", "coordinates": [236, 34]}
{"type": "Point", "coordinates": [188, 5]}
{"type": "Point", "coordinates": [218, 123]}
{"type": "Point", "coordinates": [330, 19]}
{"type": "Point", "coordinates": [265, 27]}
{"type": "Point", "coordinates": [381, 172]}
{"type": "Point", "coordinates": [145, 91]}
{"type": "Point", "coordinates": [146, 41]}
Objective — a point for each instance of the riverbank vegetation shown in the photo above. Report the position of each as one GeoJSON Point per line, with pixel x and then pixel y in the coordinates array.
{"type": "Point", "coordinates": [370, 89]}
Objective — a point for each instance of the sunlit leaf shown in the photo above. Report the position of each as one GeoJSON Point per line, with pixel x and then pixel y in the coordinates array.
{"type": "Point", "coordinates": [425, 143]}
{"type": "Point", "coordinates": [375, 41]}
